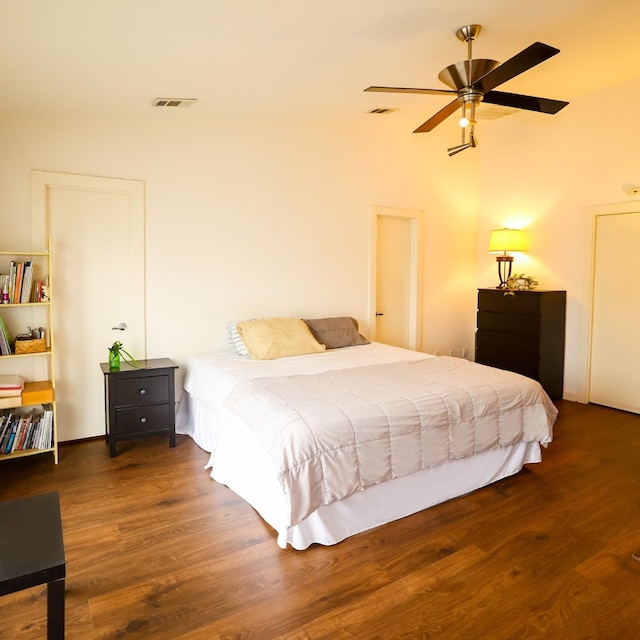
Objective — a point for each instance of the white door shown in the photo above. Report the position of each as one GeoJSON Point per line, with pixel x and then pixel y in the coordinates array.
{"type": "Point", "coordinates": [395, 277]}
{"type": "Point", "coordinates": [615, 346]}
{"type": "Point", "coordinates": [96, 226]}
{"type": "Point", "coordinates": [393, 269]}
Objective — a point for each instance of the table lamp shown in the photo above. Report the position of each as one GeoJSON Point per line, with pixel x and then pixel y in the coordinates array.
{"type": "Point", "coordinates": [502, 242]}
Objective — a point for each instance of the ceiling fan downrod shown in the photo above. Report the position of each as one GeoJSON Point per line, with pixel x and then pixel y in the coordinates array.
{"type": "Point", "coordinates": [468, 34]}
{"type": "Point", "coordinates": [469, 97]}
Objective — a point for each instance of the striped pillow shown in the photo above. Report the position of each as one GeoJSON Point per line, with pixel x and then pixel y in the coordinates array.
{"type": "Point", "coordinates": [235, 339]}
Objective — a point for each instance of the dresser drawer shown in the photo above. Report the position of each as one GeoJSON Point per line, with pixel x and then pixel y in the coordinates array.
{"type": "Point", "coordinates": [138, 420]}
{"type": "Point", "coordinates": [141, 391]}
{"type": "Point", "coordinates": [522, 302]}
{"type": "Point", "coordinates": [526, 346]}
{"type": "Point", "coordinates": [509, 323]}
{"type": "Point", "coordinates": [527, 366]}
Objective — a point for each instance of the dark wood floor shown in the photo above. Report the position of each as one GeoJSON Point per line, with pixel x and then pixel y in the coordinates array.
{"type": "Point", "coordinates": [155, 548]}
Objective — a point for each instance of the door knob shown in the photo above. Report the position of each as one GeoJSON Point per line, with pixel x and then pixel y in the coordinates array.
{"type": "Point", "coordinates": [379, 314]}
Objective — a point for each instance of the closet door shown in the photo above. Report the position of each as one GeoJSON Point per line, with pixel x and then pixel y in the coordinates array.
{"type": "Point", "coordinates": [615, 338]}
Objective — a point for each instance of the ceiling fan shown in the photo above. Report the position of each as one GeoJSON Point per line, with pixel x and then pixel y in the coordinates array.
{"type": "Point", "coordinates": [474, 81]}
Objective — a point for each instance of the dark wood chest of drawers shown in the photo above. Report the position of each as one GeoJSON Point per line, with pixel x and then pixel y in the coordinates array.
{"type": "Point", "coordinates": [139, 401]}
{"type": "Point", "coordinates": [524, 333]}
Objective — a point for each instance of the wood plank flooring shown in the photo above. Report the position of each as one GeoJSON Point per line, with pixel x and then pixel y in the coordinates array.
{"type": "Point", "coordinates": [156, 549]}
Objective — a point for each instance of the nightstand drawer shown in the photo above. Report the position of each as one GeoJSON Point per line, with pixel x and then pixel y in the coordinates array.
{"type": "Point", "coordinates": [141, 391]}
{"type": "Point", "coordinates": [139, 420]}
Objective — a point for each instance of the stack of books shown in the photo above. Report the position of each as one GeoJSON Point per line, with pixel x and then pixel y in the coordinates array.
{"type": "Point", "coordinates": [33, 430]}
{"type": "Point", "coordinates": [11, 390]}
{"type": "Point", "coordinates": [19, 286]}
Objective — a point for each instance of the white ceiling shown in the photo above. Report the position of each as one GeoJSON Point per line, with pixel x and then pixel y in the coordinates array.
{"type": "Point", "coordinates": [293, 58]}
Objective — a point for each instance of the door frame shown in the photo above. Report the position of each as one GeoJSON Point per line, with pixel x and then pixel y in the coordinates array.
{"type": "Point", "coordinates": [416, 219]}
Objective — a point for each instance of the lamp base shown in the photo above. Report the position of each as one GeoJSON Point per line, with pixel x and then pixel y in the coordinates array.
{"type": "Point", "coordinates": [504, 270]}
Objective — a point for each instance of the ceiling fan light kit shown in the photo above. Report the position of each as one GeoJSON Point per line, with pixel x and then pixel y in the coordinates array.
{"type": "Point", "coordinates": [473, 81]}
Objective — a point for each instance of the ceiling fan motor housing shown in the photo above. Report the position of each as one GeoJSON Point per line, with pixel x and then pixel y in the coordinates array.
{"type": "Point", "coordinates": [466, 72]}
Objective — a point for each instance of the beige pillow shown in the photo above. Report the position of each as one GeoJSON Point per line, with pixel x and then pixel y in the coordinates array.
{"type": "Point", "coordinates": [277, 338]}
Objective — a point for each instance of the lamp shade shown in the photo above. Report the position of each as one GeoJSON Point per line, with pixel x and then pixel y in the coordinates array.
{"type": "Point", "coordinates": [503, 240]}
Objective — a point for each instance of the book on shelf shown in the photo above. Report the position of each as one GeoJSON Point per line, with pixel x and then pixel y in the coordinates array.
{"type": "Point", "coordinates": [12, 280]}
{"type": "Point", "coordinates": [5, 427]}
{"type": "Point", "coordinates": [27, 277]}
{"type": "Point", "coordinates": [5, 339]}
{"type": "Point", "coordinates": [39, 291]}
{"type": "Point", "coordinates": [11, 385]}
{"type": "Point", "coordinates": [4, 287]}
{"type": "Point", "coordinates": [17, 288]}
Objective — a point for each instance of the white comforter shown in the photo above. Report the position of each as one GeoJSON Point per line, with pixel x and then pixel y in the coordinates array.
{"type": "Point", "coordinates": [338, 423]}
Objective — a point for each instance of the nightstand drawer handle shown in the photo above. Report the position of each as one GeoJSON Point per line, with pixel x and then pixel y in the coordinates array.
{"type": "Point", "coordinates": [143, 391]}
{"type": "Point", "coordinates": [143, 420]}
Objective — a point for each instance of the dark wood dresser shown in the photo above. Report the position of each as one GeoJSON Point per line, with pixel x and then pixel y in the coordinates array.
{"type": "Point", "coordinates": [524, 333]}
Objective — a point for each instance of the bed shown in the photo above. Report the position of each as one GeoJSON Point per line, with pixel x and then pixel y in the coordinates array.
{"type": "Point", "coordinates": [330, 443]}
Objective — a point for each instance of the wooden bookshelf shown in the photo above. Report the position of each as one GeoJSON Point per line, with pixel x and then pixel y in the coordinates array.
{"type": "Point", "coordinates": [36, 368]}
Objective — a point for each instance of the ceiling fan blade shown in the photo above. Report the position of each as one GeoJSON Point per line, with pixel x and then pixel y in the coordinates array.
{"type": "Point", "coordinates": [531, 103]}
{"type": "Point", "coordinates": [531, 56]}
{"type": "Point", "coordinates": [436, 119]}
{"type": "Point", "coordinates": [432, 92]}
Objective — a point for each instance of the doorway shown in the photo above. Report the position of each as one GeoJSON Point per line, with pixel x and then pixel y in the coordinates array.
{"type": "Point", "coordinates": [395, 277]}
{"type": "Point", "coordinates": [96, 227]}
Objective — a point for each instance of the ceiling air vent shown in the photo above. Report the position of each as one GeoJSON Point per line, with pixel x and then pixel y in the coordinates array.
{"type": "Point", "coordinates": [488, 111]}
{"type": "Point", "coordinates": [173, 102]}
{"type": "Point", "coordinates": [382, 110]}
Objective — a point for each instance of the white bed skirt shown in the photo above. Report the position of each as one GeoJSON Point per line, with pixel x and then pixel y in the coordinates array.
{"type": "Point", "coordinates": [242, 466]}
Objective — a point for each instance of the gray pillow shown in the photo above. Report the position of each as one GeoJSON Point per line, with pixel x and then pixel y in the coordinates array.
{"type": "Point", "coordinates": [336, 332]}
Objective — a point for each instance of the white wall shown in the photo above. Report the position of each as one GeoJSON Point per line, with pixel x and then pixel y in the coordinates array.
{"type": "Point", "coordinates": [546, 172]}
{"type": "Point", "coordinates": [249, 219]}
{"type": "Point", "coordinates": [262, 218]}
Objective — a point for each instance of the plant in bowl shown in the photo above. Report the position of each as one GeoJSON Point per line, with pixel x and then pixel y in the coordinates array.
{"type": "Point", "coordinates": [519, 282]}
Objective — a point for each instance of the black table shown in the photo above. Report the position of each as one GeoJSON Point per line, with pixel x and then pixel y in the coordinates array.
{"type": "Point", "coordinates": [32, 553]}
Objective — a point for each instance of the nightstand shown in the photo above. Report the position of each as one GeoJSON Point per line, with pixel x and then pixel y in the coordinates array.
{"type": "Point", "coordinates": [139, 401]}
